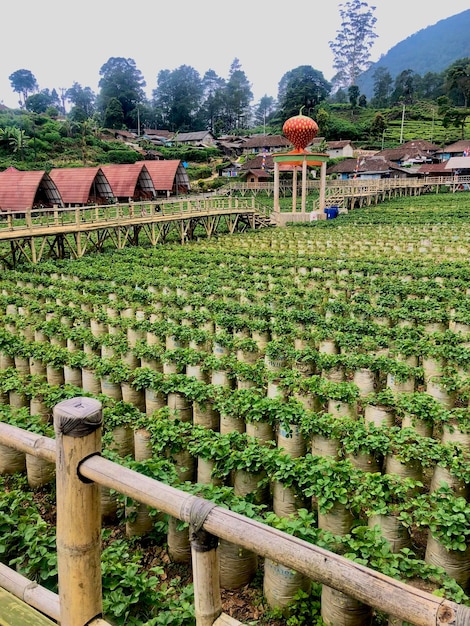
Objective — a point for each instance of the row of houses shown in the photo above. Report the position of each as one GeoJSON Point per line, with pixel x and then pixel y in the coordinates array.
{"type": "Point", "coordinates": [80, 186]}
{"type": "Point", "coordinates": [418, 158]}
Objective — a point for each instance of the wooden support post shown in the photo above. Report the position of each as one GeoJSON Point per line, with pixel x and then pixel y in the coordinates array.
{"type": "Point", "coordinates": [77, 424]}
{"type": "Point", "coordinates": [294, 189]}
{"type": "Point", "coordinates": [304, 185]}
{"type": "Point", "coordinates": [322, 186]}
{"type": "Point", "coordinates": [276, 187]}
{"type": "Point", "coordinates": [205, 563]}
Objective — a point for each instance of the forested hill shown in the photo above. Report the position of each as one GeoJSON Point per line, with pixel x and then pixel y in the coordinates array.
{"type": "Point", "coordinates": [432, 49]}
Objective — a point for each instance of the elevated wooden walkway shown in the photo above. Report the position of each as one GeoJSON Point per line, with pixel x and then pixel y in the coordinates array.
{"type": "Point", "coordinates": [71, 232]}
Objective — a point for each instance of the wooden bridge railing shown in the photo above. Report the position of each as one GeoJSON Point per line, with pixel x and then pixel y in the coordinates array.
{"type": "Point", "coordinates": [119, 213]}
{"type": "Point", "coordinates": [80, 471]}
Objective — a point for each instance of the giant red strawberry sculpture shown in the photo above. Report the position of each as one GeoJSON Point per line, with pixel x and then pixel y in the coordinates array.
{"type": "Point", "coordinates": [300, 130]}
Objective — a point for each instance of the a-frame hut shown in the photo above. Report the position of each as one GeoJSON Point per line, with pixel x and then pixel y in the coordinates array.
{"type": "Point", "coordinates": [168, 176]}
{"type": "Point", "coordinates": [130, 182]}
{"type": "Point", "coordinates": [82, 185]}
{"type": "Point", "coordinates": [22, 191]}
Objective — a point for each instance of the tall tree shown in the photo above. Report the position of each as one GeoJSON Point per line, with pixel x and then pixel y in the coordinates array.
{"type": "Point", "coordinates": [83, 101]}
{"type": "Point", "coordinates": [238, 96]}
{"type": "Point", "coordinates": [213, 99]}
{"type": "Point", "coordinates": [382, 86]}
{"type": "Point", "coordinates": [24, 83]}
{"type": "Point", "coordinates": [121, 79]}
{"type": "Point", "coordinates": [405, 87]}
{"type": "Point", "coordinates": [354, 39]}
{"type": "Point", "coordinates": [458, 78]}
{"type": "Point", "coordinates": [301, 87]}
{"type": "Point", "coordinates": [264, 110]}
{"type": "Point", "coordinates": [178, 98]}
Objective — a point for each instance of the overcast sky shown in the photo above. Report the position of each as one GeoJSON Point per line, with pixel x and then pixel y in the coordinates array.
{"type": "Point", "coordinates": [62, 42]}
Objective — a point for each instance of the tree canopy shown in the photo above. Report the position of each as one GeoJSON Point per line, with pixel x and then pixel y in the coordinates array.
{"type": "Point", "coordinates": [303, 86]}
{"type": "Point", "coordinates": [121, 79]}
{"type": "Point", "coordinates": [24, 83]}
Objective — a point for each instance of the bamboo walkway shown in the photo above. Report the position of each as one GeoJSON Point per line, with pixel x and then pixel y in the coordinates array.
{"type": "Point", "coordinates": [72, 232]}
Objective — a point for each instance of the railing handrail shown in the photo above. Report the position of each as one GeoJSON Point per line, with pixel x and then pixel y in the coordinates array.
{"type": "Point", "coordinates": [366, 585]}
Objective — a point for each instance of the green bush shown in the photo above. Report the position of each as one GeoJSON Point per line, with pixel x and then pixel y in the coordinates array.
{"type": "Point", "coordinates": [122, 156]}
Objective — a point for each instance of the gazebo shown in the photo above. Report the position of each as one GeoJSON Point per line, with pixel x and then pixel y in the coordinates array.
{"type": "Point", "coordinates": [300, 130]}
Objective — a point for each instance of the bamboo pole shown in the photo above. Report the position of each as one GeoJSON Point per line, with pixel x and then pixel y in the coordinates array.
{"type": "Point", "coordinates": [384, 593]}
{"type": "Point", "coordinates": [77, 424]}
{"type": "Point", "coordinates": [30, 592]}
{"type": "Point", "coordinates": [205, 564]}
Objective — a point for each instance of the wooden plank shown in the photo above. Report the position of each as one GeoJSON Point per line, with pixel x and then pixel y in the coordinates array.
{"type": "Point", "coordinates": [14, 612]}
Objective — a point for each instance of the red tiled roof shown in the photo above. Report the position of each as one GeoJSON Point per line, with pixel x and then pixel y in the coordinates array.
{"type": "Point", "coordinates": [162, 172]}
{"type": "Point", "coordinates": [77, 184]}
{"type": "Point", "coordinates": [434, 168]}
{"type": "Point", "coordinates": [124, 178]}
{"type": "Point", "coordinates": [20, 190]}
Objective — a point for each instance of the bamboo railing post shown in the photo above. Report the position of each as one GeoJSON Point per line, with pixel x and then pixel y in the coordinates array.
{"type": "Point", "coordinates": [77, 424]}
{"type": "Point", "coordinates": [205, 564]}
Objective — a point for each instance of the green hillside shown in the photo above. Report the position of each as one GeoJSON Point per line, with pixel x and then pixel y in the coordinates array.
{"type": "Point", "coordinates": [432, 49]}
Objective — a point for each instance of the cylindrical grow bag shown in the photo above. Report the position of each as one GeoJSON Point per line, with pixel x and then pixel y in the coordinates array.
{"type": "Point", "coordinates": [420, 426]}
{"type": "Point", "coordinates": [455, 562]}
{"type": "Point", "coordinates": [39, 472]}
{"type": "Point", "coordinates": [339, 609]}
{"type": "Point", "coordinates": [245, 483]}
{"type": "Point", "coordinates": [73, 376]}
{"type": "Point", "coordinates": [154, 400]}
{"type": "Point", "coordinates": [410, 469]}
{"type": "Point", "coordinates": [54, 376]}
{"type": "Point", "coordinates": [291, 440]}
{"type": "Point", "coordinates": [237, 565]}
{"type": "Point", "coordinates": [122, 440]}
{"type": "Point", "coordinates": [205, 415]}
{"type": "Point", "coordinates": [11, 460]}
{"type": "Point", "coordinates": [204, 472]}
{"type": "Point", "coordinates": [179, 546]}
{"type": "Point", "coordinates": [231, 423]}
{"type": "Point", "coordinates": [379, 415]}
{"type": "Point", "coordinates": [392, 530]}
{"type": "Point", "coordinates": [366, 381]}
{"type": "Point", "coordinates": [138, 519]}
{"type": "Point", "coordinates": [90, 381]}
{"type": "Point", "coordinates": [260, 430]}
{"type": "Point", "coordinates": [133, 396]}
{"type": "Point", "coordinates": [180, 406]}
{"type": "Point", "coordinates": [286, 500]}
{"type": "Point", "coordinates": [324, 446]}
{"type": "Point", "coordinates": [142, 444]}
{"type": "Point", "coordinates": [338, 519]}
{"type": "Point", "coordinates": [111, 389]}
{"type": "Point", "coordinates": [281, 584]}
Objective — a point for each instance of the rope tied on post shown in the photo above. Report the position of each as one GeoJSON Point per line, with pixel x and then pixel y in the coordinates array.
{"type": "Point", "coordinates": [195, 511]}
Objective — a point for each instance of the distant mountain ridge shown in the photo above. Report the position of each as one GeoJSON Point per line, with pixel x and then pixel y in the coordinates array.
{"type": "Point", "coordinates": [431, 49]}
